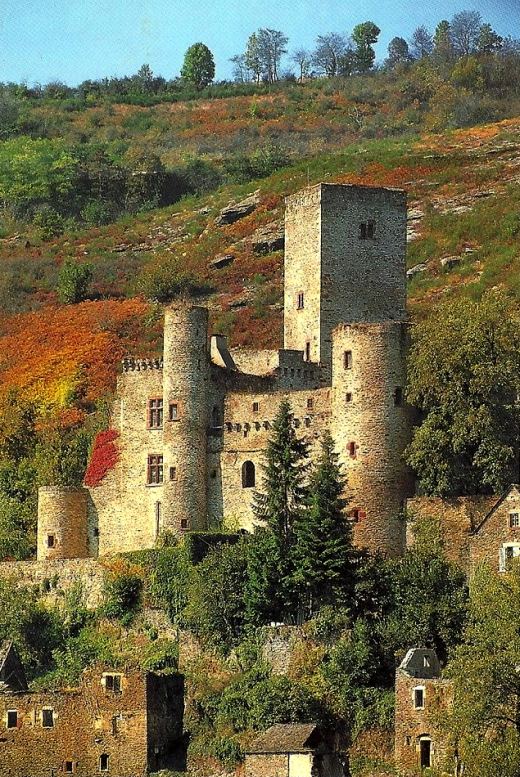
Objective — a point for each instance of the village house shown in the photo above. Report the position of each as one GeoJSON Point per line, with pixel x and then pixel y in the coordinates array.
{"type": "Point", "coordinates": [294, 750]}
{"type": "Point", "coordinates": [118, 721]}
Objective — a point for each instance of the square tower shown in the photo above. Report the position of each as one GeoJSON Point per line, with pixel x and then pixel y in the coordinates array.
{"type": "Point", "coordinates": [345, 262]}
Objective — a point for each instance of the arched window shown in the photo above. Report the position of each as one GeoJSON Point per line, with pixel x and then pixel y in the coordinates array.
{"type": "Point", "coordinates": [248, 474]}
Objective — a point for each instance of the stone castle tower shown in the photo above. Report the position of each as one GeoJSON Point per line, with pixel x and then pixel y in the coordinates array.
{"type": "Point", "coordinates": [193, 427]}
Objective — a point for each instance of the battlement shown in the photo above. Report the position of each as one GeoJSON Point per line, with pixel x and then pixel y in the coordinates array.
{"type": "Point", "coordinates": [140, 365]}
{"type": "Point", "coordinates": [319, 191]}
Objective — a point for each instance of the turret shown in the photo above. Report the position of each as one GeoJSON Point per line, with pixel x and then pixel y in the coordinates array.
{"type": "Point", "coordinates": [62, 523]}
{"type": "Point", "coordinates": [371, 426]}
{"type": "Point", "coordinates": [185, 402]}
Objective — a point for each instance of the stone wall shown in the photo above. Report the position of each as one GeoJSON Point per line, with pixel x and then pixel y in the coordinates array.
{"type": "Point", "coordinates": [276, 765]}
{"type": "Point", "coordinates": [413, 725]}
{"type": "Point", "coordinates": [90, 722]}
{"type": "Point", "coordinates": [495, 533]}
{"type": "Point", "coordinates": [62, 523]}
{"type": "Point", "coordinates": [55, 578]}
{"type": "Point", "coordinates": [342, 277]}
{"type": "Point", "coordinates": [371, 426]}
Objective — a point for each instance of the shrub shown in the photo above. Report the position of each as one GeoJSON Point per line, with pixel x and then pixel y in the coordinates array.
{"type": "Point", "coordinates": [73, 282]}
{"type": "Point", "coordinates": [199, 177]}
{"type": "Point", "coordinates": [166, 282]}
{"type": "Point", "coordinates": [260, 164]}
{"type": "Point", "coordinates": [49, 222]}
{"type": "Point", "coordinates": [123, 593]}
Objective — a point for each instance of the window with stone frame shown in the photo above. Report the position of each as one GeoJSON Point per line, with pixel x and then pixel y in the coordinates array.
{"type": "Point", "coordinates": [514, 520]}
{"type": "Point", "coordinates": [347, 360]}
{"type": "Point", "coordinates": [155, 413]}
{"type": "Point", "coordinates": [12, 718]}
{"type": "Point", "coordinates": [352, 450]}
{"type": "Point", "coordinates": [418, 697]}
{"type": "Point", "coordinates": [69, 767]}
{"type": "Point", "coordinates": [104, 762]}
{"type": "Point", "coordinates": [367, 230]}
{"type": "Point", "coordinates": [508, 552]}
{"type": "Point", "coordinates": [307, 351]}
{"type": "Point", "coordinates": [248, 474]}
{"type": "Point", "coordinates": [51, 541]}
{"type": "Point", "coordinates": [300, 300]}
{"type": "Point", "coordinates": [155, 469]}
{"type": "Point", "coordinates": [47, 717]}
{"type": "Point", "coordinates": [112, 683]}
{"type": "Point", "coordinates": [173, 412]}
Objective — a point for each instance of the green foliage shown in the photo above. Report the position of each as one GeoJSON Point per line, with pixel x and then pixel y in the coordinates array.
{"type": "Point", "coordinates": [465, 377]}
{"type": "Point", "coordinates": [61, 456]}
{"type": "Point", "coordinates": [166, 281]}
{"type": "Point", "coordinates": [49, 222]}
{"type": "Point", "coordinates": [215, 609]}
{"type": "Point", "coordinates": [73, 282]}
{"type": "Point", "coordinates": [17, 528]}
{"type": "Point", "coordinates": [484, 722]}
{"type": "Point", "coordinates": [199, 66]}
{"type": "Point", "coordinates": [122, 595]}
{"type": "Point", "coordinates": [323, 549]}
{"type": "Point", "coordinates": [262, 163]}
{"type": "Point", "coordinates": [364, 36]}
{"type": "Point", "coordinates": [199, 177]}
{"type": "Point", "coordinates": [88, 647]}
{"type": "Point", "coordinates": [161, 655]}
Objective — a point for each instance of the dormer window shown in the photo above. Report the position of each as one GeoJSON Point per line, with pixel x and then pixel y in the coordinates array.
{"type": "Point", "coordinates": [300, 301]}
{"type": "Point", "coordinates": [367, 230]}
{"type": "Point", "coordinates": [426, 662]}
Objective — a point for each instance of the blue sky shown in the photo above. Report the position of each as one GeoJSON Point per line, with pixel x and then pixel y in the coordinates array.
{"type": "Point", "coordinates": [71, 40]}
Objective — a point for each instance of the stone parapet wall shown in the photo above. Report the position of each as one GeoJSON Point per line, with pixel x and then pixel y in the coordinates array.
{"type": "Point", "coordinates": [55, 578]}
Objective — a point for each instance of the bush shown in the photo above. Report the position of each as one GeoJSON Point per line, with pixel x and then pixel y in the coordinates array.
{"type": "Point", "coordinates": [49, 222]}
{"type": "Point", "coordinates": [166, 282]}
{"type": "Point", "coordinates": [73, 282]}
{"type": "Point", "coordinates": [199, 177]}
{"type": "Point", "coordinates": [17, 529]}
{"type": "Point", "coordinates": [260, 164]}
{"type": "Point", "coordinates": [123, 594]}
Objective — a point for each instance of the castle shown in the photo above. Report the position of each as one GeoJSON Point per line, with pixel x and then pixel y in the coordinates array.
{"type": "Point", "coordinates": [192, 427]}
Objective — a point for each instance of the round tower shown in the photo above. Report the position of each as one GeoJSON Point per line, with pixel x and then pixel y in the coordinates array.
{"type": "Point", "coordinates": [62, 523]}
{"type": "Point", "coordinates": [371, 426]}
{"type": "Point", "coordinates": [185, 402]}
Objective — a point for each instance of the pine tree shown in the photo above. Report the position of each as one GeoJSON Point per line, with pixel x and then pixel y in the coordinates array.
{"type": "Point", "coordinates": [322, 554]}
{"type": "Point", "coordinates": [269, 593]}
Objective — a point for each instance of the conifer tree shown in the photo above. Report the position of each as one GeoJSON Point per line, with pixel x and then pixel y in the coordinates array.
{"type": "Point", "coordinates": [269, 592]}
{"type": "Point", "coordinates": [323, 558]}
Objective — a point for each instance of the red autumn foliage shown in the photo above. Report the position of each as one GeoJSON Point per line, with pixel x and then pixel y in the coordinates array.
{"type": "Point", "coordinates": [104, 457]}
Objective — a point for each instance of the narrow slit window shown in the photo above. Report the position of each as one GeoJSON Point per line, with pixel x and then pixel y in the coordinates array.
{"type": "Point", "coordinates": [104, 761]}
{"type": "Point", "coordinates": [256, 407]}
{"type": "Point", "coordinates": [173, 473]}
{"type": "Point", "coordinates": [310, 403]}
{"type": "Point", "coordinates": [307, 351]}
{"type": "Point", "coordinates": [48, 718]}
{"type": "Point", "coordinates": [352, 450]}
{"type": "Point", "coordinates": [173, 411]}
{"type": "Point", "coordinates": [51, 541]}
{"type": "Point", "coordinates": [348, 397]}
{"type": "Point", "coordinates": [347, 360]}
{"type": "Point", "coordinates": [248, 475]}
{"type": "Point", "coordinates": [418, 698]}
{"type": "Point", "coordinates": [300, 300]}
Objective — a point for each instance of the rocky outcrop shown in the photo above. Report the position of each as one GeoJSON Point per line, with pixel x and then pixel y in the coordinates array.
{"type": "Point", "coordinates": [221, 261]}
{"type": "Point", "coordinates": [416, 270]}
{"type": "Point", "coordinates": [268, 238]}
{"type": "Point", "coordinates": [235, 211]}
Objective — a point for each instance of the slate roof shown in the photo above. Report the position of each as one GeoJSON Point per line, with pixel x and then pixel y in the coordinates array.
{"type": "Point", "coordinates": [422, 663]}
{"type": "Point", "coordinates": [287, 738]}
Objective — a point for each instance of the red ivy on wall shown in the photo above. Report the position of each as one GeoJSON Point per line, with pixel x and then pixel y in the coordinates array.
{"type": "Point", "coordinates": [104, 457]}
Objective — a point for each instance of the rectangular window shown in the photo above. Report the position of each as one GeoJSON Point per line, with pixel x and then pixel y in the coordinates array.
{"type": "Point", "coordinates": [347, 360]}
{"type": "Point", "coordinates": [155, 413]}
{"type": "Point", "coordinates": [51, 540]}
{"type": "Point", "coordinates": [12, 718]}
{"type": "Point", "coordinates": [367, 230]}
{"type": "Point", "coordinates": [113, 683]}
{"type": "Point", "coordinates": [173, 473]}
{"type": "Point", "coordinates": [48, 718]}
{"type": "Point", "coordinates": [184, 523]}
{"type": "Point", "coordinates": [300, 301]}
{"type": "Point", "coordinates": [307, 351]}
{"type": "Point", "coordinates": [418, 698]}
{"type": "Point", "coordinates": [69, 767]}
{"type": "Point", "coordinates": [348, 397]}
{"type": "Point", "coordinates": [352, 450]}
{"type": "Point", "coordinates": [514, 520]}
{"type": "Point", "coordinates": [103, 762]}
{"type": "Point", "coordinates": [155, 469]}
{"type": "Point", "coordinates": [398, 396]}
{"type": "Point", "coordinates": [310, 403]}
{"type": "Point", "coordinates": [256, 407]}
{"type": "Point", "coordinates": [174, 411]}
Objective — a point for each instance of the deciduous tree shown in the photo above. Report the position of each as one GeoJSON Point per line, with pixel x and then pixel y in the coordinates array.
{"type": "Point", "coordinates": [365, 35]}
{"type": "Point", "coordinates": [199, 66]}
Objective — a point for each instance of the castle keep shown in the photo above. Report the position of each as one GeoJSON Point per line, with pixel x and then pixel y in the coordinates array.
{"type": "Point", "coordinates": [192, 427]}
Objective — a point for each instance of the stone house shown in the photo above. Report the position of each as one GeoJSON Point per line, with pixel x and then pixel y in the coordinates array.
{"type": "Point", "coordinates": [192, 427]}
{"type": "Point", "coordinates": [293, 750]}
{"type": "Point", "coordinates": [474, 529]}
{"type": "Point", "coordinates": [119, 722]}
{"type": "Point", "coordinates": [422, 698]}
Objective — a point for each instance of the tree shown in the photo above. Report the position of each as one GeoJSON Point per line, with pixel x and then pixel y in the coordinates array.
{"type": "Point", "coordinates": [252, 58]}
{"type": "Point", "coordinates": [199, 66]}
{"type": "Point", "coordinates": [145, 78]}
{"type": "Point", "coordinates": [278, 507]}
{"type": "Point", "coordinates": [240, 70]}
{"type": "Point", "coordinates": [272, 45]}
{"type": "Point", "coordinates": [398, 52]}
{"type": "Point", "coordinates": [465, 32]}
{"type": "Point", "coordinates": [73, 282]}
{"type": "Point", "coordinates": [364, 36]}
{"type": "Point", "coordinates": [302, 58]}
{"type": "Point", "coordinates": [323, 549]}
{"type": "Point", "coordinates": [421, 43]}
{"type": "Point", "coordinates": [442, 42]}
{"type": "Point", "coordinates": [488, 40]}
{"type": "Point", "coordinates": [484, 723]}
{"type": "Point", "coordinates": [465, 377]}
{"type": "Point", "coordinates": [328, 52]}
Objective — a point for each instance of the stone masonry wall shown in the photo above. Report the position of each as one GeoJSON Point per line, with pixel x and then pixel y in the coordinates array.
{"type": "Point", "coordinates": [88, 722]}
{"type": "Point", "coordinates": [413, 724]}
{"type": "Point", "coordinates": [55, 578]}
{"type": "Point", "coordinates": [371, 426]}
{"type": "Point", "coordinates": [62, 523]}
{"type": "Point", "coordinates": [495, 533]}
{"type": "Point", "coordinates": [276, 765]}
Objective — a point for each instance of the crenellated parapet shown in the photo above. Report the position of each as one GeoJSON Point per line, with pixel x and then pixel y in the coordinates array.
{"type": "Point", "coordinates": [141, 365]}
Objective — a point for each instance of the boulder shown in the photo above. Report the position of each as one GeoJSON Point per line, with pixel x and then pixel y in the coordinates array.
{"type": "Point", "coordinates": [450, 261]}
{"type": "Point", "coordinates": [221, 261]}
{"type": "Point", "coordinates": [235, 211]}
{"type": "Point", "coordinates": [417, 270]}
{"type": "Point", "coordinates": [268, 238]}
